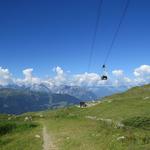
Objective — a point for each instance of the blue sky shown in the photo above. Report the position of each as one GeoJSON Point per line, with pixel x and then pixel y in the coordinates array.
{"type": "Point", "coordinates": [42, 34]}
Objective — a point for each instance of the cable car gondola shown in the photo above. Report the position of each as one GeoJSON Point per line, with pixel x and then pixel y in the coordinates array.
{"type": "Point", "coordinates": [104, 75]}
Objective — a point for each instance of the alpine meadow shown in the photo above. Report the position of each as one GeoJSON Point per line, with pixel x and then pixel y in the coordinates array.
{"type": "Point", "coordinates": [74, 75]}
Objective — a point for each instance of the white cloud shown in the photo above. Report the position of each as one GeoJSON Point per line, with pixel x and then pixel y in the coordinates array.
{"type": "Point", "coordinates": [117, 78]}
{"type": "Point", "coordinates": [28, 78]}
{"type": "Point", "coordinates": [5, 77]}
{"type": "Point", "coordinates": [142, 74]}
{"type": "Point", "coordinates": [118, 73]}
{"type": "Point", "coordinates": [142, 71]}
{"type": "Point", "coordinates": [120, 78]}
{"type": "Point", "coordinates": [89, 80]}
{"type": "Point", "coordinates": [28, 73]}
{"type": "Point", "coordinates": [60, 77]}
{"type": "Point", "coordinates": [58, 70]}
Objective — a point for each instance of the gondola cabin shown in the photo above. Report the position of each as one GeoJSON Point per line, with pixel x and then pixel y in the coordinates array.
{"type": "Point", "coordinates": [104, 77]}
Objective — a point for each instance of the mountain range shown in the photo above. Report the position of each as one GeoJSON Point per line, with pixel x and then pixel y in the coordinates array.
{"type": "Point", "coordinates": [16, 99]}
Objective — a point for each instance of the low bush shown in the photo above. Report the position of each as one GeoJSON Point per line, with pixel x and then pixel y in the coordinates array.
{"type": "Point", "coordinates": [7, 127]}
{"type": "Point", "coordinates": [138, 122]}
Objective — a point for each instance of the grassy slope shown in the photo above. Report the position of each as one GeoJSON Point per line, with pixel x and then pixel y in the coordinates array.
{"type": "Point", "coordinates": [20, 135]}
{"type": "Point", "coordinates": [92, 128]}
{"type": "Point", "coordinates": [73, 130]}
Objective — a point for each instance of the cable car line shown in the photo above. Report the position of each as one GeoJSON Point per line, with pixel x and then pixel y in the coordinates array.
{"type": "Point", "coordinates": [117, 31]}
{"type": "Point", "coordinates": [104, 74]}
{"type": "Point", "coordinates": [95, 33]}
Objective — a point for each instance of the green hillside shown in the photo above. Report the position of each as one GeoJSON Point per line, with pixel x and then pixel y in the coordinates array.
{"type": "Point", "coordinates": [20, 100]}
{"type": "Point", "coordinates": [118, 122]}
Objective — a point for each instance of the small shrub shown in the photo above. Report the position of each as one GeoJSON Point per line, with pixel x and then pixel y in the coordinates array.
{"type": "Point", "coordinates": [25, 126]}
{"type": "Point", "coordinates": [138, 122]}
{"type": "Point", "coordinates": [8, 127]}
{"type": "Point", "coordinates": [5, 141]}
{"type": "Point", "coordinates": [146, 139]}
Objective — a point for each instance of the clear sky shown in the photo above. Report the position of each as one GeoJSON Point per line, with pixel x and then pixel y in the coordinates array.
{"type": "Point", "coordinates": [42, 34]}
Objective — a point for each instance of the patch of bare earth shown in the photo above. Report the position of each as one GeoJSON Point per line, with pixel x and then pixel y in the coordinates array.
{"type": "Point", "coordinates": [47, 140]}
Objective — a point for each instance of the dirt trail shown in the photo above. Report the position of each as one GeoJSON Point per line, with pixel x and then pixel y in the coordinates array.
{"type": "Point", "coordinates": [48, 144]}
